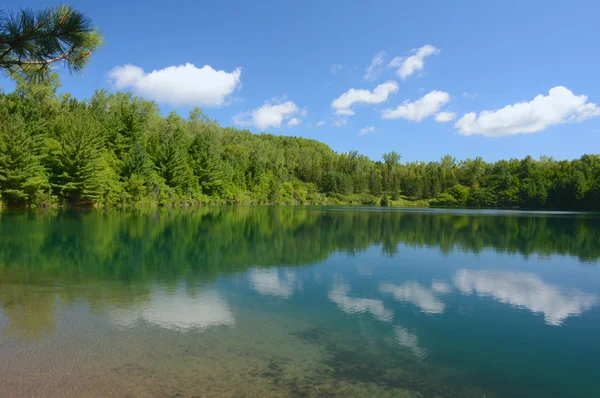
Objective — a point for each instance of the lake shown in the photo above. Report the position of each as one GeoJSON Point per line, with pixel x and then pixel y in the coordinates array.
{"type": "Point", "coordinates": [299, 302]}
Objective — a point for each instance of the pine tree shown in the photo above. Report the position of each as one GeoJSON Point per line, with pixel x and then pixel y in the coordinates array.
{"type": "Point", "coordinates": [137, 162]}
{"type": "Point", "coordinates": [170, 158]}
{"type": "Point", "coordinates": [206, 161]}
{"type": "Point", "coordinates": [78, 172]}
{"type": "Point", "coordinates": [21, 173]}
{"type": "Point", "coordinates": [32, 41]}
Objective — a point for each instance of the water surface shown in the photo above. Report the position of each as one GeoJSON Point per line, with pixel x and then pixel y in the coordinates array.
{"type": "Point", "coordinates": [292, 301]}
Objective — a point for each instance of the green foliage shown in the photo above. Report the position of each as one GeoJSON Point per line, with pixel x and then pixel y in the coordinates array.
{"type": "Point", "coordinates": [206, 158]}
{"type": "Point", "coordinates": [21, 173]}
{"type": "Point", "coordinates": [169, 152]}
{"type": "Point", "coordinates": [116, 149]}
{"type": "Point", "coordinates": [31, 41]}
{"type": "Point", "coordinates": [444, 200]}
{"type": "Point", "coordinates": [385, 201]}
{"type": "Point", "coordinates": [78, 172]}
{"type": "Point", "coordinates": [482, 197]}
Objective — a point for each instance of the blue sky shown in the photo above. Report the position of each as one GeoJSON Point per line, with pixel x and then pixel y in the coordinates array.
{"type": "Point", "coordinates": [303, 66]}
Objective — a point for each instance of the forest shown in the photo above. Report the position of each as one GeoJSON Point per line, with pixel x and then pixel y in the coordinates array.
{"type": "Point", "coordinates": [115, 149]}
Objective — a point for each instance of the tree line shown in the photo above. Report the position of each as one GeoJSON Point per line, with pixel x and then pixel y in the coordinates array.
{"type": "Point", "coordinates": [115, 149]}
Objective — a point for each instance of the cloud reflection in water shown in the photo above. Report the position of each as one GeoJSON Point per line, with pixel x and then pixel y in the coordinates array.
{"type": "Point", "coordinates": [416, 294]}
{"type": "Point", "coordinates": [525, 290]}
{"type": "Point", "coordinates": [178, 311]}
{"type": "Point", "coordinates": [268, 282]}
{"type": "Point", "coordinates": [352, 305]}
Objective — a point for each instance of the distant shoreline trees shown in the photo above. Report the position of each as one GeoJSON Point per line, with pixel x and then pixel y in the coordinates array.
{"type": "Point", "coordinates": [117, 150]}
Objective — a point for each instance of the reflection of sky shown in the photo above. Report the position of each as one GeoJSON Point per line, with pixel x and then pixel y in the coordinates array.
{"type": "Point", "coordinates": [353, 305]}
{"type": "Point", "coordinates": [179, 311]}
{"type": "Point", "coordinates": [409, 340]}
{"type": "Point", "coordinates": [270, 282]}
{"type": "Point", "coordinates": [527, 291]}
{"type": "Point", "coordinates": [440, 287]}
{"type": "Point", "coordinates": [416, 294]}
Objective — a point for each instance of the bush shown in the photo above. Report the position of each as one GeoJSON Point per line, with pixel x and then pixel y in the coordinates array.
{"type": "Point", "coordinates": [444, 200]}
{"type": "Point", "coordinates": [482, 197]}
{"type": "Point", "coordinates": [384, 201]}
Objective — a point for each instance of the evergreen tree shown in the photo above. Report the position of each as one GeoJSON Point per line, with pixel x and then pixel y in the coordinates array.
{"type": "Point", "coordinates": [32, 41]}
{"type": "Point", "coordinates": [170, 152]}
{"type": "Point", "coordinates": [78, 170]}
{"type": "Point", "coordinates": [205, 155]}
{"type": "Point", "coordinates": [22, 176]}
{"type": "Point", "coordinates": [138, 162]}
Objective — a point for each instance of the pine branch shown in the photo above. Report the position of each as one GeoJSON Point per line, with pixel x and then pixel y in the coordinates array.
{"type": "Point", "coordinates": [32, 42]}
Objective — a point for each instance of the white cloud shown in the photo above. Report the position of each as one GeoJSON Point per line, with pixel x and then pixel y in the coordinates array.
{"type": "Point", "coordinates": [525, 290]}
{"type": "Point", "coordinates": [340, 121]}
{"type": "Point", "coordinates": [444, 117]}
{"type": "Point", "coordinates": [416, 294]}
{"type": "Point", "coordinates": [367, 130]}
{"type": "Point", "coordinates": [353, 306]}
{"type": "Point", "coordinates": [269, 282]}
{"type": "Point", "coordinates": [470, 96]}
{"type": "Point", "coordinates": [342, 104]}
{"type": "Point", "coordinates": [335, 68]}
{"type": "Point", "coordinates": [344, 112]}
{"type": "Point", "coordinates": [270, 115]}
{"type": "Point", "coordinates": [415, 63]}
{"type": "Point", "coordinates": [294, 122]}
{"type": "Point", "coordinates": [376, 66]}
{"type": "Point", "coordinates": [321, 123]}
{"type": "Point", "coordinates": [416, 111]}
{"type": "Point", "coordinates": [178, 311]}
{"type": "Point", "coordinates": [179, 85]}
{"type": "Point", "coordinates": [559, 106]}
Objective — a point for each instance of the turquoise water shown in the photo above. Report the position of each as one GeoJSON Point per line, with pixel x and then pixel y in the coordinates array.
{"type": "Point", "coordinates": [293, 301]}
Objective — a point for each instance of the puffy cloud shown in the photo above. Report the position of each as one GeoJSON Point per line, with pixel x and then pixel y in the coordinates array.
{"type": "Point", "coordinates": [179, 85]}
{"type": "Point", "coordinates": [416, 111]}
{"type": "Point", "coordinates": [525, 290]}
{"type": "Point", "coordinates": [342, 104]}
{"type": "Point", "coordinates": [270, 115]}
{"type": "Point", "coordinates": [269, 282]}
{"type": "Point", "coordinates": [416, 294]}
{"type": "Point", "coordinates": [321, 123]}
{"type": "Point", "coordinates": [376, 66]}
{"type": "Point", "coordinates": [294, 122]}
{"type": "Point", "coordinates": [367, 130]}
{"type": "Point", "coordinates": [559, 106]}
{"type": "Point", "coordinates": [352, 305]}
{"type": "Point", "coordinates": [415, 63]}
{"type": "Point", "coordinates": [444, 117]}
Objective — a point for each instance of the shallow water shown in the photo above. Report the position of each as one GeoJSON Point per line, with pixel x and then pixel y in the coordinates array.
{"type": "Point", "coordinates": [280, 301]}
